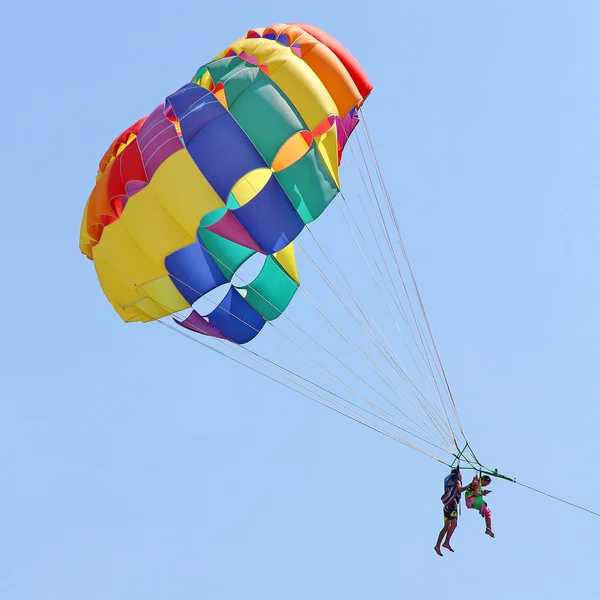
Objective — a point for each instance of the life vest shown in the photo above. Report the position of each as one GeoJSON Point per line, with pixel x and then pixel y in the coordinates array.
{"type": "Point", "coordinates": [450, 484]}
{"type": "Point", "coordinates": [477, 501]}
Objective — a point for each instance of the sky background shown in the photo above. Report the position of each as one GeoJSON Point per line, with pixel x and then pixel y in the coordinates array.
{"type": "Point", "coordinates": [137, 465]}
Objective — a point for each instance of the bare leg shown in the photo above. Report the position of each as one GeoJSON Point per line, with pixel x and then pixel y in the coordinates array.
{"type": "Point", "coordinates": [441, 537]}
{"type": "Point", "coordinates": [453, 524]}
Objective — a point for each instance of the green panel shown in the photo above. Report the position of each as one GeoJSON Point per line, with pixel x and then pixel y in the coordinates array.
{"type": "Point", "coordinates": [308, 185]}
{"type": "Point", "coordinates": [228, 255]}
{"type": "Point", "coordinates": [222, 67]}
{"type": "Point", "coordinates": [213, 216]}
{"type": "Point", "coordinates": [239, 80]}
{"type": "Point", "coordinates": [260, 106]}
{"type": "Point", "coordinates": [262, 110]}
{"type": "Point", "coordinates": [272, 291]}
{"type": "Point", "coordinates": [232, 203]}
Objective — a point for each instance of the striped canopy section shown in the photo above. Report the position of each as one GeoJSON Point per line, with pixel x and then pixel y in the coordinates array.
{"type": "Point", "coordinates": [233, 164]}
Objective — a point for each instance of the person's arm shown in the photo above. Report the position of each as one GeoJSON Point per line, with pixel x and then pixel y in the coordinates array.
{"type": "Point", "coordinates": [474, 486]}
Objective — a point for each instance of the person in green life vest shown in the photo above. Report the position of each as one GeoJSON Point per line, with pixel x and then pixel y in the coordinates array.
{"type": "Point", "coordinates": [474, 499]}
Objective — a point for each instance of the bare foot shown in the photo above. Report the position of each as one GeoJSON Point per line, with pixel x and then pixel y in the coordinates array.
{"type": "Point", "coordinates": [437, 549]}
{"type": "Point", "coordinates": [489, 532]}
{"type": "Point", "coordinates": [447, 545]}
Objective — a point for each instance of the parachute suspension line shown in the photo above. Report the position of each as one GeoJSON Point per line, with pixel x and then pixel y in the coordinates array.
{"type": "Point", "coordinates": [421, 435]}
{"type": "Point", "coordinates": [439, 365]}
{"type": "Point", "coordinates": [405, 254]}
{"type": "Point", "coordinates": [399, 390]}
{"type": "Point", "coordinates": [324, 370]}
{"type": "Point", "coordinates": [395, 296]}
{"type": "Point", "coordinates": [425, 352]}
{"type": "Point", "coordinates": [368, 329]}
{"type": "Point", "coordinates": [258, 357]}
{"type": "Point", "coordinates": [384, 229]}
{"type": "Point", "coordinates": [444, 438]}
{"type": "Point", "coordinates": [328, 373]}
{"type": "Point", "coordinates": [366, 325]}
{"type": "Point", "coordinates": [340, 381]}
{"type": "Point", "coordinates": [399, 365]}
{"type": "Point", "coordinates": [308, 393]}
{"type": "Point", "coordinates": [424, 348]}
{"type": "Point", "coordinates": [311, 393]}
{"type": "Point", "coordinates": [412, 357]}
{"type": "Point", "coordinates": [378, 286]}
{"type": "Point", "coordinates": [367, 359]}
{"type": "Point", "coordinates": [402, 312]}
{"type": "Point", "coordinates": [420, 432]}
{"type": "Point", "coordinates": [378, 211]}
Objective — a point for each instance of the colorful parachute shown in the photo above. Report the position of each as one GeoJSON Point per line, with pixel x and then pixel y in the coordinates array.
{"type": "Point", "coordinates": [226, 173]}
{"type": "Point", "coordinates": [232, 164]}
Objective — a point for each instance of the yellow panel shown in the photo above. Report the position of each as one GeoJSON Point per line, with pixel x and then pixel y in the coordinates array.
{"type": "Point", "coordinates": [250, 185]}
{"type": "Point", "coordinates": [122, 266]}
{"type": "Point", "coordinates": [205, 81]}
{"type": "Point", "coordinates": [128, 261]}
{"type": "Point", "coordinates": [120, 293]}
{"type": "Point", "coordinates": [113, 274]}
{"type": "Point", "coordinates": [149, 300]}
{"type": "Point", "coordinates": [140, 317]}
{"type": "Point", "coordinates": [287, 259]}
{"type": "Point", "coordinates": [298, 81]}
{"type": "Point", "coordinates": [150, 308]}
{"type": "Point", "coordinates": [132, 314]}
{"type": "Point", "coordinates": [152, 228]}
{"type": "Point", "coordinates": [161, 218]}
{"type": "Point", "coordinates": [165, 294]}
{"type": "Point", "coordinates": [254, 44]}
{"type": "Point", "coordinates": [184, 191]}
{"type": "Point", "coordinates": [327, 145]}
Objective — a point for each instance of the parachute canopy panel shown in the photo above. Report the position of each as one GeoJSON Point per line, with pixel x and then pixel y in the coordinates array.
{"type": "Point", "coordinates": [234, 163]}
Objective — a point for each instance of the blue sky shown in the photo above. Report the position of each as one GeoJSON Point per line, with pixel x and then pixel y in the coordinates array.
{"type": "Point", "coordinates": [137, 465]}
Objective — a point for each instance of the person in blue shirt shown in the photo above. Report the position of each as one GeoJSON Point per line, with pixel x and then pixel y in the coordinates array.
{"type": "Point", "coordinates": [452, 490]}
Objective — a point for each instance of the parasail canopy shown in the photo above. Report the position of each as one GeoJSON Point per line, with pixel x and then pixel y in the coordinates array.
{"type": "Point", "coordinates": [198, 214]}
{"type": "Point", "coordinates": [233, 164]}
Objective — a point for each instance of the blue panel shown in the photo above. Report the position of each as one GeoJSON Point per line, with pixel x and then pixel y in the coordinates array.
{"type": "Point", "coordinates": [194, 107]}
{"type": "Point", "coordinates": [224, 153]}
{"type": "Point", "coordinates": [193, 271]}
{"type": "Point", "coordinates": [236, 319]}
{"type": "Point", "coordinates": [270, 218]}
